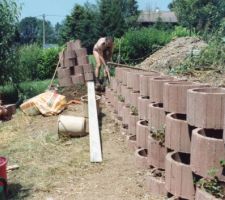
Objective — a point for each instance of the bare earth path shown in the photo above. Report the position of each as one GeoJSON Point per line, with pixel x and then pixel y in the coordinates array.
{"type": "Point", "coordinates": [53, 170]}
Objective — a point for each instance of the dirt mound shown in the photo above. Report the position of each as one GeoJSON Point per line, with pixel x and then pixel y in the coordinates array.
{"type": "Point", "coordinates": [172, 54]}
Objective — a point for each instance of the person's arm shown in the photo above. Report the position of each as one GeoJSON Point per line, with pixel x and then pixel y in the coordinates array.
{"type": "Point", "coordinates": [102, 59]}
{"type": "Point", "coordinates": [111, 52]}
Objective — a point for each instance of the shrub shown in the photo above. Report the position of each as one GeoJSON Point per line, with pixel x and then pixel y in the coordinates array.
{"type": "Point", "coordinates": [49, 62]}
{"type": "Point", "coordinates": [30, 57]}
{"type": "Point", "coordinates": [8, 94]}
{"type": "Point", "coordinates": [136, 45]}
{"type": "Point", "coordinates": [9, 14]}
{"type": "Point", "coordinates": [36, 63]}
{"type": "Point", "coordinates": [180, 32]}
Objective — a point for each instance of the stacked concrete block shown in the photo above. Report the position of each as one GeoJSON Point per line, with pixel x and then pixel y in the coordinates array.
{"type": "Point", "coordinates": [179, 178]}
{"type": "Point", "coordinates": [205, 110]}
{"type": "Point", "coordinates": [74, 67]}
{"type": "Point", "coordinates": [178, 139]}
{"type": "Point", "coordinates": [155, 182]}
{"type": "Point", "coordinates": [178, 134]}
{"type": "Point", "coordinates": [189, 115]}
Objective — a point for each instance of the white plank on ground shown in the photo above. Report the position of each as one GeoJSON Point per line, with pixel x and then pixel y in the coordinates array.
{"type": "Point", "coordinates": [94, 134]}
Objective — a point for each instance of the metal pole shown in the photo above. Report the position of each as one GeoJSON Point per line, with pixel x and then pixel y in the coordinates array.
{"type": "Point", "coordinates": [43, 30]}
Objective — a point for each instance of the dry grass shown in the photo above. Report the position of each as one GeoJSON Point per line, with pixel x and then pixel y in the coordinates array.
{"type": "Point", "coordinates": [44, 160]}
{"type": "Point", "coordinates": [50, 168]}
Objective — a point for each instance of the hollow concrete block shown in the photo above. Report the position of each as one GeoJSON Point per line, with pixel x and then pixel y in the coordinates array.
{"type": "Point", "coordinates": [207, 150]}
{"type": "Point", "coordinates": [131, 142]}
{"type": "Point", "coordinates": [141, 158]}
{"type": "Point", "coordinates": [177, 133]}
{"type": "Point", "coordinates": [156, 153]}
{"type": "Point", "coordinates": [203, 195]}
{"type": "Point", "coordinates": [175, 95]}
{"type": "Point", "coordinates": [205, 107]}
{"type": "Point", "coordinates": [156, 116]}
{"type": "Point", "coordinates": [143, 103]}
{"type": "Point", "coordinates": [120, 109]}
{"type": "Point", "coordinates": [142, 133]}
{"type": "Point", "coordinates": [179, 177]}
{"type": "Point", "coordinates": [155, 186]}
{"type": "Point", "coordinates": [156, 88]}
{"type": "Point", "coordinates": [132, 124]}
{"type": "Point", "coordinates": [134, 99]}
{"type": "Point", "coordinates": [145, 83]}
{"type": "Point", "coordinates": [125, 115]}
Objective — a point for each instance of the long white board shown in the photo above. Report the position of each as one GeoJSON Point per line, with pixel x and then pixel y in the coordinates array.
{"type": "Point", "coordinates": [95, 141]}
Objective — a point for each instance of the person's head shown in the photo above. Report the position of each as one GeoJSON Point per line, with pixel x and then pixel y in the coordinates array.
{"type": "Point", "coordinates": [109, 41]}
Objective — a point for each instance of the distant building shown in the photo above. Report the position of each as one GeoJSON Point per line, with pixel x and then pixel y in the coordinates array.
{"type": "Point", "coordinates": [147, 18]}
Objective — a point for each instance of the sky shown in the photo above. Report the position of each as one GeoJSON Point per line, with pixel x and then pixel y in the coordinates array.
{"type": "Point", "coordinates": [56, 11]}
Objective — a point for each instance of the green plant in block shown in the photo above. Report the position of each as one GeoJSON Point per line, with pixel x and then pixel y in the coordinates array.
{"type": "Point", "coordinates": [158, 135]}
{"type": "Point", "coordinates": [121, 98]}
{"type": "Point", "coordinates": [212, 184]}
{"type": "Point", "coordinates": [134, 110]}
{"type": "Point", "coordinates": [222, 163]}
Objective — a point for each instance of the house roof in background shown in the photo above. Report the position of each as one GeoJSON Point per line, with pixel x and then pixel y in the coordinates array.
{"type": "Point", "coordinates": [153, 16]}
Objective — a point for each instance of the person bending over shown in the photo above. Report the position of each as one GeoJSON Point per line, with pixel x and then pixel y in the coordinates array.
{"type": "Point", "coordinates": [102, 52]}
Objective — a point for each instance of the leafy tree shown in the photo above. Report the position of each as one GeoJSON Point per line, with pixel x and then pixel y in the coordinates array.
{"type": "Point", "coordinates": [81, 24]}
{"type": "Point", "coordinates": [130, 12]}
{"type": "Point", "coordinates": [201, 15]}
{"type": "Point", "coordinates": [9, 13]}
{"type": "Point", "coordinates": [58, 28]}
{"type": "Point", "coordinates": [116, 17]}
{"type": "Point", "coordinates": [31, 31]}
{"type": "Point", "coordinates": [107, 18]}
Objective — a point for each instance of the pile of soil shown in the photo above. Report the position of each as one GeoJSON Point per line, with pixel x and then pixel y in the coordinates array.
{"type": "Point", "coordinates": [175, 53]}
{"type": "Point", "coordinates": [172, 54]}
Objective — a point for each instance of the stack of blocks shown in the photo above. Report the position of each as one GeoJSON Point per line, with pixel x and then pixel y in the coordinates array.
{"type": "Point", "coordinates": [74, 67]}
{"type": "Point", "coordinates": [175, 127]}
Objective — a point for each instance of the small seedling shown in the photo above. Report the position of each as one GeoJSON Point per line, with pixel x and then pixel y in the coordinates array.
{"type": "Point", "coordinates": [222, 163]}
{"type": "Point", "coordinates": [159, 135]}
{"type": "Point", "coordinates": [212, 172]}
{"type": "Point", "coordinates": [121, 98]}
{"type": "Point", "coordinates": [212, 184]}
{"type": "Point", "coordinates": [158, 173]}
{"type": "Point", "coordinates": [134, 111]}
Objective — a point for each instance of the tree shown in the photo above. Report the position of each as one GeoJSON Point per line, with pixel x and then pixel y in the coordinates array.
{"type": "Point", "coordinates": [201, 15]}
{"type": "Point", "coordinates": [58, 28]}
{"type": "Point", "coordinates": [107, 18]}
{"type": "Point", "coordinates": [114, 24]}
{"type": "Point", "coordinates": [131, 12]}
{"type": "Point", "coordinates": [117, 16]}
{"type": "Point", "coordinates": [31, 31]}
{"type": "Point", "coordinates": [81, 24]}
{"type": "Point", "coordinates": [9, 13]}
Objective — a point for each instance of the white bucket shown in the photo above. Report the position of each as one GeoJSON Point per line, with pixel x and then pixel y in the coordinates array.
{"type": "Point", "coordinates": [71, 126]}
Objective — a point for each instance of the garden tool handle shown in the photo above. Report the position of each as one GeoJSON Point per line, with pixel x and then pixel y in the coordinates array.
{"type": "Point", "coordinates": [60, 58]}
{"type": "Point", "coordinates": [107, 72]}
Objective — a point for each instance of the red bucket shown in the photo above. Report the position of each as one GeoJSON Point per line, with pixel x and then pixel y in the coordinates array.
{"type": "Point", "coordinates": [3, 172]}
